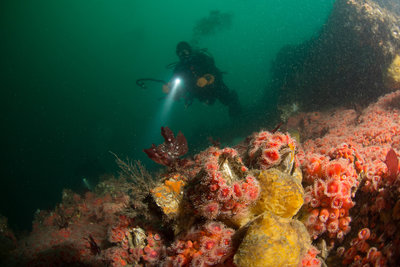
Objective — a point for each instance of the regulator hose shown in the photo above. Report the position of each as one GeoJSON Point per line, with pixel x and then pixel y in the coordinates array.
{"type": "Point", "coordinates": [141, 82]}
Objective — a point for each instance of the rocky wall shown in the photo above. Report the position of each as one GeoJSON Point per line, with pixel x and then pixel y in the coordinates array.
{"type": "Point", "coordinates": [351, 61]}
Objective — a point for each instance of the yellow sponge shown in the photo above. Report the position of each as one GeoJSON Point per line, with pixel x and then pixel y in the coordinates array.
{"type": "Point", "coordinates": [273, 241]}
{"type": "Point", "coordinates": [281, 193]}
{"type": "Point", "coordinates": [392, 79]}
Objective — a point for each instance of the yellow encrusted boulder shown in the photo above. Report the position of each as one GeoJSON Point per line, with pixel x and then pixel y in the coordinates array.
{"type": "Point", "coordinates": [392, 79]}
{"type": "Point", "coordinates": [273, 241]}
{"type": "Point", "coordinates": [281, 193]}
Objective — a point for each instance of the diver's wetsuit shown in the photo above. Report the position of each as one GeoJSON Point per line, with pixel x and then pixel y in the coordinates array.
{"type": "Point", "coordinates": [198, 64]}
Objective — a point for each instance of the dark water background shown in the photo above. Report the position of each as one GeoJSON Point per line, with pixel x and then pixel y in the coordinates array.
{"type": "Point", "coordinates": [68, 93]}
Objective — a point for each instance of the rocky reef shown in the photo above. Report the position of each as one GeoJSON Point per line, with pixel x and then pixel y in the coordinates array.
{"type": "Point", "coordinates": [204, 210]}
{"type": "Point", "coordinates": [333, 199]}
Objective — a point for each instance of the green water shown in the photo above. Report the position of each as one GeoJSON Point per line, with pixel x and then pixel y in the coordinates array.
{"type": "Point", "coordinates": [68, 93]}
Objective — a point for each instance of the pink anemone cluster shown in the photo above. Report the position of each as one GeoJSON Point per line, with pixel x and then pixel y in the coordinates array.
{"type": "Point", "coordinates": [223, 188]}
{"type": "Point", "coordinates": [201, 246]}
{"type": "Point", "coordinates": [349, 161]}
{"type": "Point", "coordinates": [329, 196]}
{"type": "Point", "coordinates": [265, 148]}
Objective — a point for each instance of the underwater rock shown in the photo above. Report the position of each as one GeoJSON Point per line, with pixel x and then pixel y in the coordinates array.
{"type": "Point", "coordinates": [168, 194]}
{"type": "Point", "coordinates": [346, 63]}
{"type": "Point", "coordinates": [288, 110]}
{"type": "Point", "coordinates": [8, 242]}
{"type": "Point", "coordinates": [273, 241]}
{"type": "Point", "coordinates": [392, 5]}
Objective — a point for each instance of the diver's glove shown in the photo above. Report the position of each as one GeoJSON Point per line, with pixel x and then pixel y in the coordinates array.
{"type": "Point", "coordinates": [205, 80]}
{"type": "Point", "coordinates": [201, 82]}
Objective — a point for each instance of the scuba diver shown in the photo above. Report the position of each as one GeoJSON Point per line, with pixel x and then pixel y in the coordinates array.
{"type": "Point", "coordinates": [201, 79]}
